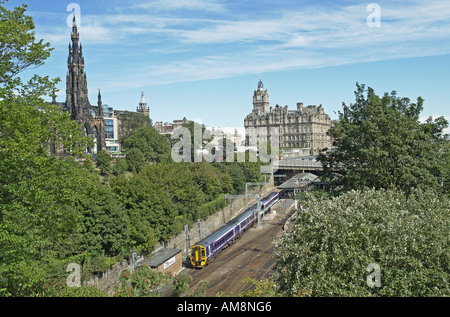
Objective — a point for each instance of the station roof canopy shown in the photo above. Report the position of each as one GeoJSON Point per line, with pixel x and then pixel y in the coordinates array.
{"type": "Point", "coordinates": [160, 257]}
{"type": "Point", "coordinates": [300, 181]}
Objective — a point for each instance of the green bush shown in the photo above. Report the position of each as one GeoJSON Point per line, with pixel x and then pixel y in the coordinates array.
{"type": "Point", "coordinates": [334, 241]}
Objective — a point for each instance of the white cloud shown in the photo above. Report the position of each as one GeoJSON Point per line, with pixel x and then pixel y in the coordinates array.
{"type": "Point", "coordinates": [237, 31]}
{"type": "Point", "coordinates": [176, 5]}
{"type": "Point", "coordinates": [209, 47]}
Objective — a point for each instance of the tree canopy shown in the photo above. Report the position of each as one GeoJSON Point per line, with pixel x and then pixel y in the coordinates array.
{"type": "Point", "coordinates": [37, 221]}
{"type": "Point", "coordinates": [19, 49]}
{"type": "Point", "coordinates": [130, 122]}
{"type": "Point", "coordinates": [380, 142]}
{"type": "Point", "coordinates": [336, 242]}
{"type": "Point", "coordinates": [55, 208]}
{"type": "Point", "coordinates": [153, 146]}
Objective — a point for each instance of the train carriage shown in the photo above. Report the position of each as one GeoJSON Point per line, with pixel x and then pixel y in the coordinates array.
{"type": "Point", "coordinates": [244, 221]}
{"type": "Point", "coordinates": [203, 251]}
{"type": "Point", "coordinates": [269, 201]}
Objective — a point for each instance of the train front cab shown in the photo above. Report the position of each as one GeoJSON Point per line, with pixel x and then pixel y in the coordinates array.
{"type": "Point", "coordinates": [198, 256]}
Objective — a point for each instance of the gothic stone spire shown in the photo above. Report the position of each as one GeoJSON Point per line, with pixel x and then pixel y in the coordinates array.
{"type": "Point", "coordinates": [77, 102]}
{"type": "Point", "coordinates": [76, 88]}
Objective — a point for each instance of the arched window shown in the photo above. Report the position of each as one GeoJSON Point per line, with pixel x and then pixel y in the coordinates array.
{"type": "Point", "coordinates": [97, 145]}
{"type": "Point", "coordinates": [86, 133]}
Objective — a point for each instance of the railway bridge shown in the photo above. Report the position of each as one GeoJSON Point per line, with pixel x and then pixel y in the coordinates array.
{"type": "Point", "coordinates": [290, 167]}
{"type": "Point", "coordinates": [300, 164]}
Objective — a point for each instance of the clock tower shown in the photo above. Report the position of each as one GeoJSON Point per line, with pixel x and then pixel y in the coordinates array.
{"type": "Point", "coordinates": [260, 100]}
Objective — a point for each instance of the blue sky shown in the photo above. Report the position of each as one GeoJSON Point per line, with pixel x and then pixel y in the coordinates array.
{"type": "Point", "coordinates": [203, 58]}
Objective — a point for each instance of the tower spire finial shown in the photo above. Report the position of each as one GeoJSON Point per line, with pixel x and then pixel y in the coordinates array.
{"type": "Point", "coordinates": [99, 102]}
{"type": "Point", "coordinates": [75, 35]}
{"type": "Point", "coordinates": [74, 24]}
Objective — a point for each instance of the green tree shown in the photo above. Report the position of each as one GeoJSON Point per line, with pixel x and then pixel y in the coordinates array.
{"type": "Point", "coordinates": [60, 289]}
{"type": "Point", "coordinates": [135, 160]}
{"type": "Point", "coordinates": [154, 146]}
{"type": "Point", "coordinates": [120, 166]}
{"type": "Point", "coordinates": [130, 122]}
{"type": "Point", "coordinates": [207, 178]}
{"type": "Point", "coordinates": [150, 210]}
{"type": "Point", "coordinates": [145, 282]}
{"type": "Point", "coordinates": [104, 228]}
{"type": "Point", "coordinates": [237, 175]}
{"type": "Point", "coordinates": [19, 49]}
{"type": "Point", "coordinates": [37, 221]}
{"type": "Point", "coordinates": [178, 181]}
{"type": "Point", "coordinates": [334, 240]}
{"type": "Point", "coordinates": [103, 162]}
{"type": "Point", "coordinates": [381, 143]}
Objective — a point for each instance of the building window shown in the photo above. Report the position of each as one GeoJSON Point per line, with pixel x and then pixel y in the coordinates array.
{"type": "Point", "coordinates": [109, 129]}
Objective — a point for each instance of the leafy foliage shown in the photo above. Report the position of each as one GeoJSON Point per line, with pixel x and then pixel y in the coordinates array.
{"type": "Point", "coordinates": [145, 282]}
{"type": "Point", "coordinates": [130, 122]}
{"type": "Point", "coordinates": [261, 288]}
{"type": "Point", "coordinates": [104, 228]}
{"type": "Point", "coordinates": [60, 289]}
{"type": "Point", "coordinates": [103, 161]}
{"type": "Point", "coordinates": [120, 166]}
{"type": "Point", "coordinates": [381, 143]}
{"type": "Point", "coordinates": [153, 146]}
{"type": "Point", "coordinates": [334, 240]}
{"type": "Point", "coordinates": [37, 221]}
{"type": "Point", "coordinates": [135, 160]}
{"type": "Point", "coordinates": [19, 49]}
{"type": "Point", "coordinates": [161, 198]}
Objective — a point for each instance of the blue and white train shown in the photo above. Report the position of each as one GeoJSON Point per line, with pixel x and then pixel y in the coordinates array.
{"type": "Point", "coordinates": [205, 250]}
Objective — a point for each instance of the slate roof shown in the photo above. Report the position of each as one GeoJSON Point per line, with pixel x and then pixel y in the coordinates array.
{"type": "Point", "coordinates": [160, 257]}
{"type": "Point", "coordinates": [300, 181]}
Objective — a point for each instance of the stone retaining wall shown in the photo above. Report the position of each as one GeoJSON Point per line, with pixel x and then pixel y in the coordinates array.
{"type": "Point", "coordinates": [213, 222]}
{"type": "Point", "coordinates": [108, 280]}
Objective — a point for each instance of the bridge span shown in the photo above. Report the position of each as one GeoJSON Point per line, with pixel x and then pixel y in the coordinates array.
{"type": "Point", "coordinates": [300, 164]}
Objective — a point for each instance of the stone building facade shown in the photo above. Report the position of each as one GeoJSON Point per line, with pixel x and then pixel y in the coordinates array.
{"type": "Point", "coordinates": [167, 128]}
{"type": "Point", "coordinates": [143, 107]}
{"type": "Point", "coordinates": [304, 128]}
{"type": "Point", "coordinates": [77, 103]}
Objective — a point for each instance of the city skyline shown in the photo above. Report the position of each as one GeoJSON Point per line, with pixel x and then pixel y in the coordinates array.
{"type": "Point", "coordinates": [203, 59]}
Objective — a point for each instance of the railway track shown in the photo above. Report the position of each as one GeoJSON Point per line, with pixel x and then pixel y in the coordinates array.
{"type": "Point", "coordinates": [249, 256]}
